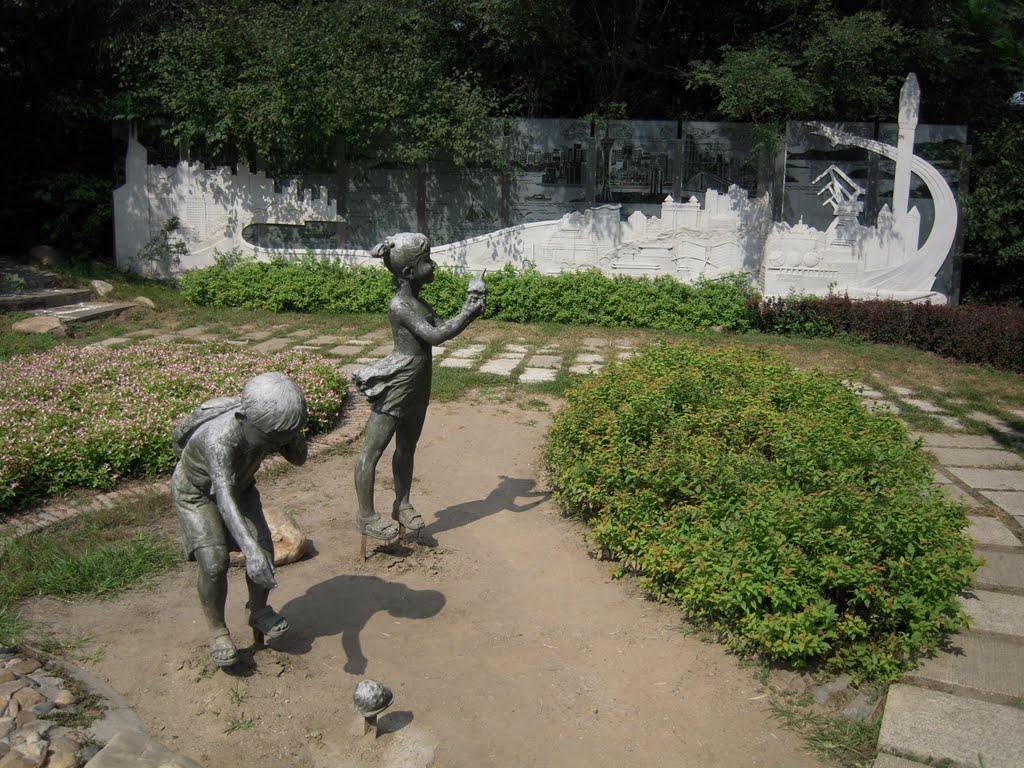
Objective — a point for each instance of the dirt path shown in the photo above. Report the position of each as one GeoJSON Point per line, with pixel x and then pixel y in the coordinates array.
{"type": "Point", "coordinates": [505, 644]}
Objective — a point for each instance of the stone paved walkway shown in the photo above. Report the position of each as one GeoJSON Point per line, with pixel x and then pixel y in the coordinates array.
{"type": "Point", "coordinates": [961, 709]}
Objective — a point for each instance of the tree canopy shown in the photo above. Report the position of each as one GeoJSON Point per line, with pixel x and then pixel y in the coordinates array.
{"type": "Point", "coordinates": [293, 83]}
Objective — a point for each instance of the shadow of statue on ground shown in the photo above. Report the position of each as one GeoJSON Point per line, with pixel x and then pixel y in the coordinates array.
{"type": "Point", "coordinates": [343, 605]}
{"type": "Point", "coordinates": [503, 498]}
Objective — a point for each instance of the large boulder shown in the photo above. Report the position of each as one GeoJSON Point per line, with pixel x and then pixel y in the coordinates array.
{"type": "Point", "coordinates": [102, 288]}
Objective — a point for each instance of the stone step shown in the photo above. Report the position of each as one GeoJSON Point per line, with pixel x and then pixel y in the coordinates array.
{"type": "Point", "coordinates": [85, 311]}
{"type": "Point", "coordinates": [976, 664]}
{"type": "Point", "coordinates": [1002, 571]}
{"type": "Point", "coordinates": [995, 612]}
{"type": "Point", "coordinates": [938, 728]}
{"type": "Point", "coordinates": [34, 300]}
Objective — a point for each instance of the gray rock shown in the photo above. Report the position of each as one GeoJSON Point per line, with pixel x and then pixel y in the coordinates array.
{"type": "Point", "coordinates": [860, 709]}
{"type": "Point", "coordinates": [144, 301]}
{"type": "Point", "coordinates": [102, 288]}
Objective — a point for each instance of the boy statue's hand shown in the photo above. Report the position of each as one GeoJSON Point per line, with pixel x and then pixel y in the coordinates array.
{"type": "Point", "coordinates": [259, 567]}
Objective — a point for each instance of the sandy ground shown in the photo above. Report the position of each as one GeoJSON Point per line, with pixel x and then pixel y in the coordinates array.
{"type": "Point", "coordinates": [505, 643]}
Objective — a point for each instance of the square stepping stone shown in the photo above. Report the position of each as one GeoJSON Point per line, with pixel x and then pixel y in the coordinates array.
{"type": "Point", "coordinates": [457, 362]}
{"type": "Point", "coordinates": [500, 366]}
{"type": "Point", "coordinates": [510, 356]}
{"type": "Point", "coordinates": [537, 375]}
{"type": "Point", "coordinates": [359, 342]}
{"type": "Point", "coordinates": [589, 358]}
{"type": "Point", "coordinates": [344, 350]}
{"type": "Point", "coordinates": [272, 345]}
{"type": "Point", "coordinates": [471, 350]}
{"type": "Point", "coordinates": [382, 351]}
{"type": "Point", "coordinates": [902, 391]}
{"type": "Point", "coordinates": [625, 354]}
{"type": "Point", "coordinates": [256, 335]}
{"type": "Point", "coordinates": [949, 422]}
{"type": "Point", "coordinates": [519, 349]}
{"type": "Point", "coordinates": [990, 531]}
{"type": "Point", "coordinates": [147, 332]}
{"type": "Point", "coordinates": [923, 405]}
{"type": "Point", "coordinates": [546, 361]}
{"type": "Point", "coordinates": [594, 342]}
{"type": "Point", "coordinates": [237, 342]}
{"type": "Point", "coordinates": [195, 330]}
{"type": "Point", "coordinates": [1011, 502]}
{"type": "Point", "coordinates": [438, 351]}
{"type": "Point", "coordinates": [323, 341]}
{"type": "Point", "coordinates": [585, 368]}
{"type": "Point", "coordinates": [301, 333]}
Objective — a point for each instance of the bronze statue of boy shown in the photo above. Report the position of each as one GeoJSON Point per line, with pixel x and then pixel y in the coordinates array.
{"type": "Point", "coordinates": [221, 445]}
{"type": "Point", "coordinates": [398, 386]}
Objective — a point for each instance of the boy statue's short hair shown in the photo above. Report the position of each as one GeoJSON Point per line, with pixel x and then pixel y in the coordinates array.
{"type": "Point", "coordinates": [273, 402]}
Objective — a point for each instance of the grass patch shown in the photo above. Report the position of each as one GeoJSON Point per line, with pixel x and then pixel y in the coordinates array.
{"type": "Point", "coordinates": [97, 554]}
{"type": "Point", "coordinates": [848, 743]}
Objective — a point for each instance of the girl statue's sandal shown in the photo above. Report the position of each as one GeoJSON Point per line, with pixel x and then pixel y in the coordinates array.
{"type": "Point", "coordinates": [410, 518]}
{"type": "Point", "coordinates": [266, 623]}
{"type": "Point", "coordinates": [222, 650]}
{"type": "Point", "coordinates": [380, 529]}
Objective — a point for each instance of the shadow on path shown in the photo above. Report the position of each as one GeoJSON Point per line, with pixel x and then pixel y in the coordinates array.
{"type": "Point", "coordinates": [500, 499]}
{"type": "Point", "coordinates": [343, 605]}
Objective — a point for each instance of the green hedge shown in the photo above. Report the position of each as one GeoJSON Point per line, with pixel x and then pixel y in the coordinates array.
{"type": "Point", "coordinates": [771, 504]}
{"type": "Point", "coordinates": [587, 297]}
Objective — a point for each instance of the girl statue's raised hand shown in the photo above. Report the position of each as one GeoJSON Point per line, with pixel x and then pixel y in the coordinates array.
{"type": "Point", "coordinates": [398, 386]}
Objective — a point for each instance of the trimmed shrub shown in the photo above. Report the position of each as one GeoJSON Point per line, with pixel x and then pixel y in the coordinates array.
{"type": "Point", "coordinates": [771, 504]}
{"type": "Point", "coordinates": [971, 333]}
{"type": "Point", "coordinates": [587, 297]}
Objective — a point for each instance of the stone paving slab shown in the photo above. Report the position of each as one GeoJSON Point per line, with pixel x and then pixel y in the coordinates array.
{"type": "Point", "coordinates": [932, 726]}
{"type": "Point", "coordinates": [589, 358]}
{"type": "Point", "coordinates": [323, 341]}
{"type": "Point", "coordinates": [500, 366]}
{"type": "Point", "coordinates": [985, 667]}
{"type": "Point", "coordinates": [537, 375]}
{"type": "Point", "coordinates": [1011, 502]}
{"type": "Point", "coordinates": [1004, 569]}
{"type": "Point", "coordinates": [959, 494]}
{"type": "Point", "coordinates": [995, 612]}
{"type": "Point", "coordinates": [272, 345]}
{"type": "Point", "coordinates": [457, 362]}
{"type": "Point", "coordinates": [990, 479]}
{"type": "Point", "coordinates": [80, 313]}
{"type": "Point", "coordinates": [113, 341]}
{"type": "Point", "coordinates": [256, 335]}
{"type": "Point", "coordinates": [943, 440]}
{"type": "Point", "coordinates": [891, 761]}
{"type": "Point", "coordinates": [546, 361]}
{"type": "Point", "coordinates": [344, 349]}
{"type": "Point", "coordinates": [585, 368]}
{"type": "Point", "coordinates": [923, 405]}
{"type": "Point", "coordinates": [988, 531]}
{"type": "Point", "coordinates": [472, 350]}
{"type": "Point", "coordinates": [976, 457]}
{"type": "Point", "coordinates": [519, 349]}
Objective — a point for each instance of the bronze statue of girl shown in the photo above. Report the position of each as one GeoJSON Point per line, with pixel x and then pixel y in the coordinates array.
{"type": "Point", "coordinates": [398, 386]}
